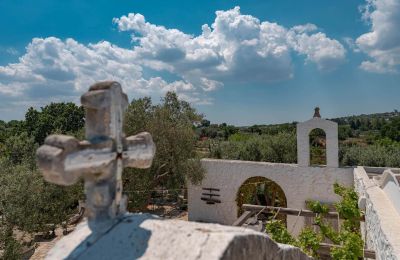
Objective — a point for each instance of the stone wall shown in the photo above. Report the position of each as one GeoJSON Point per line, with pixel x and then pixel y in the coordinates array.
{"type": "Point", "coordinates": [382, 222]}
{"type": "Point", "coordinates": [298, 183]}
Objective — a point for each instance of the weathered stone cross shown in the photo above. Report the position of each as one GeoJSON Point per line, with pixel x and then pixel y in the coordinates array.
{"type": "Point", "coordinates": [99, 160]}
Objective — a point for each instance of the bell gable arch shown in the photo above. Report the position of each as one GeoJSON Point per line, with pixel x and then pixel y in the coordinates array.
{"type": "Point", "coordinates": [303, 143]}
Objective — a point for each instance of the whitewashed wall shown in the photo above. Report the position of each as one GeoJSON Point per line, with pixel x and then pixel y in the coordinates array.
{"type": "Point", "coordinates": [381, 229]}
{"type": "Point", "coordinates": [298, 183]}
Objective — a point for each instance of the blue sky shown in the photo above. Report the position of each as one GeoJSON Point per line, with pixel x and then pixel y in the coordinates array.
{"type": "Point", "coordinates": [240, 62]}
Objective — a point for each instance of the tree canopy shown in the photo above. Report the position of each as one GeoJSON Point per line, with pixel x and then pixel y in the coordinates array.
{"type": "Point", "coordinates": [171, 124]}
{"type": "Point", "coordinates": [60, 118]}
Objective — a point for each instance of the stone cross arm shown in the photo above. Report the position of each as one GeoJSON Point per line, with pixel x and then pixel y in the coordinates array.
{"type": "Point", "coordinates": [64, 159]}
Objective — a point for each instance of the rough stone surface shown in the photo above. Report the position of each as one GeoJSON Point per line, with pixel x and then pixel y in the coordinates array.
{"type": "Point", "coordinates": [303, 141]}
{"type": "Point", "coordinates": [381, 229]}
{"type": "Point", "coordinates": [141, 236]}
{"type": "Point", "coordinates": [298, 183]}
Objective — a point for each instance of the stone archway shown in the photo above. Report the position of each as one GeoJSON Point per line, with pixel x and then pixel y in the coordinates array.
{"type": "Point", "coordinates": [261, 191]}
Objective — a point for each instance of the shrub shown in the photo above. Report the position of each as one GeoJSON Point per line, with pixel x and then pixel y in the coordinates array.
{"type": "Point", "coordinates": [373, 155]}
{"type": "Point", "coordinates": [348, 240]}
{"type": "Point", "coordinates": [278, 148]}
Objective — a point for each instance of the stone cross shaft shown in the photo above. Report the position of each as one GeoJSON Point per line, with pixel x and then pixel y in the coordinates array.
{"type": "Point", "coordinates": [101, 158]}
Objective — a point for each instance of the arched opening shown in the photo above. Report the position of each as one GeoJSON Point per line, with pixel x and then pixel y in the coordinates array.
{"type": "Point", "coordinates": [261, 191]}
{"type": "Point", "coordinates": [317, 147]}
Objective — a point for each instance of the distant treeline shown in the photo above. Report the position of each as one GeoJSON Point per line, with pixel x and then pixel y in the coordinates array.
{"type": "Point", "coordinates": [372, 140]}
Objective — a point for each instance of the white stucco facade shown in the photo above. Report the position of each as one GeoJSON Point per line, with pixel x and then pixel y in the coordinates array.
{"type": "Point", "coordinates": [298, 183]}
{"type": "Point", "coordinates": [303, 142]}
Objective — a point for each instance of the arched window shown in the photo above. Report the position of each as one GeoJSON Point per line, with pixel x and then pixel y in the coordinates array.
{"type": "Point", "coordinates": [317, 139]}
{"type": "Point", "coordinates": [261, 191]}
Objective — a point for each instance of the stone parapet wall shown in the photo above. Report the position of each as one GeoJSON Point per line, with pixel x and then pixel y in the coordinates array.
{"type": "Point", "coordinates": [382, 222]}
{"type": "Point", "coordinates": [142, 236]}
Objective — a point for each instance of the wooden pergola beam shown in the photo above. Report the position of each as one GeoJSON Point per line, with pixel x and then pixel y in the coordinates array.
{"type": "Point", "coordinates": [242, 219]}
{"type": "Point", "coordinates": [289, 211]}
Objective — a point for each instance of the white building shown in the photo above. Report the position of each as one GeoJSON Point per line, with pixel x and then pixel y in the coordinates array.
{"type": "Point", "coordinates": [215, 199]}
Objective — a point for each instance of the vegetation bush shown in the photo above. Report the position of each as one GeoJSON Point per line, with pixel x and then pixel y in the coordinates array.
{"type": "Point", "coordinates": [271, 148]}
{"type": "Point", "coordinates": [348, 241]}
{"type": "Point", "coordinates": [31, 204]}
{"type": "Point", "coordinates": [372, 155]}
{"type": "Point", "coordinates": [10, 247]}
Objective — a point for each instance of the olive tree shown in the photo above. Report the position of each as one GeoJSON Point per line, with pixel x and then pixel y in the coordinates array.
{"type": "Point", "coordinates": [29, 203]}
{"type": "Point", "coordinates": [171, 125]}
{"type": "Point", "coordinates": [63, 118]}
{"type": "Point", "coordinates": [279, 148]}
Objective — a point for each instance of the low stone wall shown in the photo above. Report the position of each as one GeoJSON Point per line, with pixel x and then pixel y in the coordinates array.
{"type": "Point", "coordinates": [298, 183]}
{"type": "Point", "coordinates": [381, 229]}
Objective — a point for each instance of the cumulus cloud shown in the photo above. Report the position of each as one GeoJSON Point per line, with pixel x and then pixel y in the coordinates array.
{"type": "Point", "coordinates": [382, 43]}
{"type": "Point", "coordinates": [235, 47]}
{"type": "Point", "coordinates": [63, 70]}
{"type": "Point", "coordinates": [318, 48]}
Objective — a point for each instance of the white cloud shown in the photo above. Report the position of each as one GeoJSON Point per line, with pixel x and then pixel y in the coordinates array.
{"type": "Point", "coordinates": [382, 43]}
{"type": "Point", "coordinates": [234, 48]}
{"type": "Point", "coordinates": [351, 44]}
{"type": "Point", "coordinates": [49, 62]}
{"type": "Point", "coordinates": [318, 48]}
{"type": "Point", "coordinates": [209, 84]}
{"type": "Point", "coordinates": [63, 70]}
